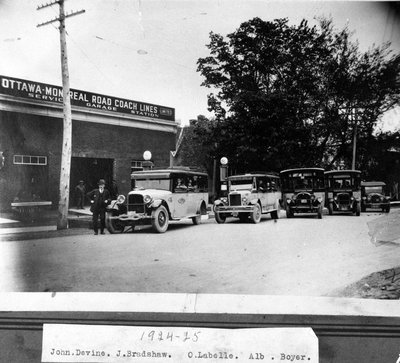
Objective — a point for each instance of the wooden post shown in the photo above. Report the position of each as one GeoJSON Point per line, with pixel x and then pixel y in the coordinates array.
{"type": "Point", "coordinates": [62, 222]}
{"type": "Point", "coordinates": [63, 204]}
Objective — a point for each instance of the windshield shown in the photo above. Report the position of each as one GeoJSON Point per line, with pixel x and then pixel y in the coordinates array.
{"type": "Point", "coordinates": [375, 189]}
{"type": "Point", "coordinates": [302, 180]}
{"type": "Point", "coordinates": [241, 184]}
{"type": "Point", "coordinates": [163, 184]}
{"type": "Point", "coordinates": [344, 181]}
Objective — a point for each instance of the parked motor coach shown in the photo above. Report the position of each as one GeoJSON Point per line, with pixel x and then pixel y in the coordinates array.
{"type": "Point", "coordinates": [160, 196]}
{"type": "Point", "coordinates": [373, 195]}
{"type": "Point", "coordinates": [343, 191]}
{"type": "Point", "coordinates": [303, 191]}
{"type": "Point", "coordinates": [249, 196]}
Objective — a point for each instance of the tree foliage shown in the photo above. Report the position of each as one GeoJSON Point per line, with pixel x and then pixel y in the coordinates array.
{"type": "Point", "coordinates": [198, 147]}
{"type": "Point", "coordinates": [288, 96]}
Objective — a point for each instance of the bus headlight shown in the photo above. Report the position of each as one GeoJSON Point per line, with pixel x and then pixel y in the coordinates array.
{"type": "Point", "coordinates": [121, 199]}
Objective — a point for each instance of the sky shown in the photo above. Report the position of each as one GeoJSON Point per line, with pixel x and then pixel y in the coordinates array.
{"type": "Point", "coordinates": [146, 50]}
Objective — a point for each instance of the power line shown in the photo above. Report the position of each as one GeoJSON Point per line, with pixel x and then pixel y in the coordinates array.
{"type": "Point", "coordinates": [89, 59]}
{"type": "Point", "coordinates": [141, 51]}
{"type": "Point", "coordinates": [83, 53]}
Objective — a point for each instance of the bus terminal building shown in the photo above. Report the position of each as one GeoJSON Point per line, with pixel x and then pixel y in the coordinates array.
{"type": "Point", "coordinates": [109, 137]}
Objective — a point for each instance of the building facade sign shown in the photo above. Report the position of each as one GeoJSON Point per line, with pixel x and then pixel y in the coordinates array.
{"type": "Point", "coordinates": [45, 92]}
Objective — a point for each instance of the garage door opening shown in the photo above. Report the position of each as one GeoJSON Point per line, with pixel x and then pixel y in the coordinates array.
{"type": "Point", "coordinates": [90, 170]}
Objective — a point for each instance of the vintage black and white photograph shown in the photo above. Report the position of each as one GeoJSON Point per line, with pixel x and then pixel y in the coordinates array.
{"type": "Point", "coordinates": [200, 147]}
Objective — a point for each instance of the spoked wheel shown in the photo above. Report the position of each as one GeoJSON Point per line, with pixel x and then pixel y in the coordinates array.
{"type": "Point", "coordinates": [219, 218]}
{"type": "Point", "coordinates": [358, 209]}
{"type": "Point", "coordinates": [289, 213]}
{"type": "Point", "coordinates": [196, 220]}
{"type": "Point", "coordinates": [131, 228]}
{"type": "Point", "coordinates": [203, 212]}
{"type": "Point", "coordinates": [319, 213]}
{"type": "Point", "coordinates": [114, 225]}
{"type": "Point", "coordinates": [255, 215]}
{"type": "Point", "coordinates": [275, 214]}
{"type": "Point", "coordinates": [160, 219]}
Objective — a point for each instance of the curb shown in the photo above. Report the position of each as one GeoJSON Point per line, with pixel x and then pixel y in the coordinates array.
{"type": "Point", "coordinates": [4, 231]}
{"type": "Point", "coordinates": [9, 224]}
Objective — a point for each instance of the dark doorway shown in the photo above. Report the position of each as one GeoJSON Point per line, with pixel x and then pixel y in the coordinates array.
{"type": "Point", "coordinates": [90, 170]}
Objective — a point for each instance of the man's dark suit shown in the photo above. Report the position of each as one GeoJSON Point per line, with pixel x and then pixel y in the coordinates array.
{"type": "Point", "coordinates": [99, 202]}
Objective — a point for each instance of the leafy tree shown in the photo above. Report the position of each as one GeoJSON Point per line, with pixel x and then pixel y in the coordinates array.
{"type": "Point", "coordinates": [198, 148]}
{"type": "Point", "coordinates": [287, 96]}
{"type": "Point", "coordinates": [382, 162]}
{"type": "Point", "coordinates": [360, 88]}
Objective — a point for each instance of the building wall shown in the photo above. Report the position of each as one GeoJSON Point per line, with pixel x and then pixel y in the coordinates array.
{"type": "Point", "coordinates": [25, 134]}
{"type": "Point", "coordinates": [122, 144]}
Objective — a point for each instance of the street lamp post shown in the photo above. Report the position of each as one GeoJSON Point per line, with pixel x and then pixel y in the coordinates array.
{"type": "Point", "coordinates": [223, 173]}
{"type": "Point", "coordinates": [147, 163]}
{"type": "Point", "coordinates": [223, 168]}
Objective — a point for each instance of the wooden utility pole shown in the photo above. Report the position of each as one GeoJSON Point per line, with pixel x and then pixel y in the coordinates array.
{"type": "Point", "coordinates": [355, 121]}
{"type": "Point", "coordinates": [62, 221]}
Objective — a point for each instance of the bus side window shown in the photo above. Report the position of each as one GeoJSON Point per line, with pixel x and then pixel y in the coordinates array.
{"type": "Point", "coordinates": [180, 186]}
{"type": "Point", "coordinates": [268, 183]}
{"type": "Point", "coordinates": [274, 185]}
{"type": "Point", "coordinates": [261, 186]}
{"type": "Point", "coordinates": [191, 187]}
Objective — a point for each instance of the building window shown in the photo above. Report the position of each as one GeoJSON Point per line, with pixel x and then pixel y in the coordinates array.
{"type": "Point", "coordinates": [136, 165]}
{"type": "Point", "coordinates": [30, 160]}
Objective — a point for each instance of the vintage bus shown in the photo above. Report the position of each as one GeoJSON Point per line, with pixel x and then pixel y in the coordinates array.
{"type": "Point", "coordinates": [158, 197]}
{"type": "Point", "coordinates": [303, 191]}
{"type": "Point", "coordinates": [343, 191]}
{"type": "Point", "coordinates": [249, 196]}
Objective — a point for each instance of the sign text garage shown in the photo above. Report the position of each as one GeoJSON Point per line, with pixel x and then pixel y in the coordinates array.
{"type": "Point", "coordinates": [45, 92]}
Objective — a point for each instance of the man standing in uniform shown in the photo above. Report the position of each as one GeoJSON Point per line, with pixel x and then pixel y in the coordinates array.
{"type": "Point", "coordinates": [80, 194]}
{"type": "Point", "coordinates": [99, 199]}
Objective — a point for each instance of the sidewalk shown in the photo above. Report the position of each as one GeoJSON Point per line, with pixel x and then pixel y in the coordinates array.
{"type": "Point", "coordinates": [46, 221]}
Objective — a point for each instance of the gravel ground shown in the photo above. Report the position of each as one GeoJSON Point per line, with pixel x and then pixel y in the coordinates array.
{"type": "Point", "coordinates": [382, 284]}
{"type": "Point", "coordinates": [378, 285]}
